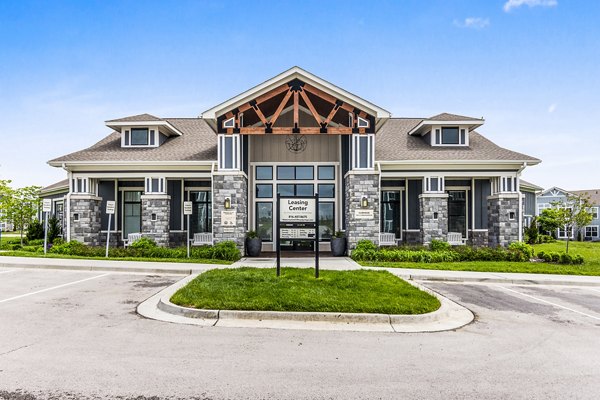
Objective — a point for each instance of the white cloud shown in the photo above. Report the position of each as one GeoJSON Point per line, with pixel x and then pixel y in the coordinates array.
{"type": "Point", "coordinates": [552, 108]}
{"type": "Point", "coordinates": [473, 22]}
{"type": "Point", "coordinates": [510, 4]}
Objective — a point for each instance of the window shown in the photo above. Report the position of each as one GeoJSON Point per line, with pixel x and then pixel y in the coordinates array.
{"type": "Point", "coordinates": [505, 184]}
{"type": "Point", "coordinates": [326, 221]}
{"type": "Point", "coordinates": [80, 185]}
{"type": "Point", "coordinates": [562, 233]}
{"type": "Point", "coordinates": [594, 211]}
{"type": "Point", "coordinates": [326, 173]}
{"type": "Point", "coordinates": [229, 123]}
{"type": "Point", "coordinates": [139, 137]}
{"type": "Point", "coordinates": [263, 190]}
{"type": "Point", "coordinates": [299, 190]}
{"type": "Point", "coordinates": [229, 152]}
{"type": "Point", "coordinates": [591, 231]}
{"type": "Point", "coordinates": [295, 173]}
{"type": "Point", "coordinates": [390, 212]}
{"type": "Point", "coordinates": [450, 136]}
{"type": "Point", "coordinates": [264, 173]}
{"type": "Point", "coordinates": [201, 219]}
{"type": "Point", "coordinates": [363, 151]}
{"type": "Point", "coordinates": [434, 184]}
{"type": "Point", "coordinates": [132, 212]}
{"type": "Point", "coordinates": [155, 185]}
{"type": "Point", "coordinates": [264, 221]}
{"type": "Point", "coordinates": [362, 122]}
{"type": "Point", "coordinates": [326, 190]}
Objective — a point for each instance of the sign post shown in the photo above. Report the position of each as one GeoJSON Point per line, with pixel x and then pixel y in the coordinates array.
{"type": "Point", "coordinates": [297, 219]}
{"type": "Point", "coordinates": [187, 211]}
{"type": "Point", "coordinates": [110, 210]}
{"type": "Point", "coordinates": [46, 208]}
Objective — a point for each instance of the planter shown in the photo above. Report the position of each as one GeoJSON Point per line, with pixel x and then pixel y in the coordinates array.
{"type": "Point", "coordinates": [253, 247]}
{"type": "Point", "coordinates": [338, 247]}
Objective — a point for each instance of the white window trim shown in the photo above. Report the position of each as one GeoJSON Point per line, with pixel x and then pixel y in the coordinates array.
{"type": "Point", "coordinates": [227, 121]}
{"type": "Point", "coordinates": [594, 211]}
{"type": "Point", "coordinates": [500, 184]}
{"type": "Point", "coordinates": [88, 185]}
{"type": "Point", "coordinates": [590, 227]}
{"type": "Point", "coordinates": [439, 128]}
{"type": "Point", "coordinates": [126, 131]}
{"type": "Point", "coordinates": [162, 185]}
{"type": "Point", "coordinates": [558, 235]}
{"type": "Point", "coordinates": [236, 157]}
{"type": "Point", "coordinates": [427, 184]}
{"type": "Point", "coordinates": [366, 123]}
{"type": "Point", "coordinates": [356, 151]}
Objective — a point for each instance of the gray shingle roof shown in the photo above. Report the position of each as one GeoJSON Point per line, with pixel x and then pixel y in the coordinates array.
{"type": "Point", "coordinates": [533, 186]}
{"type": "Point", "coordinates": [64, 184]}
{"type": "Point", "coordinates": [198, 143]}
{"type": "Point", "coordinates": [593, 194]}
{"type": "Point", "coordinates": [393, 143]}
{"type": "Point", "coordinates": [452, 117]}
{"type": "Point", "coordinates": [137, 118]}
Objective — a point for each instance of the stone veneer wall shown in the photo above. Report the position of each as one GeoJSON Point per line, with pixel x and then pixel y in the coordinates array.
{"type": "Point", "coordinates": [158, 230]}
{"type": "Point", "coordinates": [233, 186]}
{"type": "Point", "coordinates": [431, 227]}
{"type": "Point", "coordinates": [359, 185]}
{"type": "Point", "coordinates": [502, 230]}
{"type": "Point", "coordinates": [478, 238]}
{"type": "Point", "coordinates": [87, 229]}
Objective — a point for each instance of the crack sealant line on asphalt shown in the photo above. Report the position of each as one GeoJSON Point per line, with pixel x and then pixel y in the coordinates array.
{"type": "Point", "coordinates": [53, 288]}
{"type": "Point", "coordinates": [551, 303]}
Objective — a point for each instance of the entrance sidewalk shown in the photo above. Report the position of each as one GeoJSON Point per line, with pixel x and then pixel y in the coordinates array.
{"type": "Point", "coordinates": [333, 263]}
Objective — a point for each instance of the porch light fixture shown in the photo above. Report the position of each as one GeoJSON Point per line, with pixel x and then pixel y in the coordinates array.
{"type": "Point", "coordinates": [227, 203]}
{"type": "Point", "coordinates": [364, 203]}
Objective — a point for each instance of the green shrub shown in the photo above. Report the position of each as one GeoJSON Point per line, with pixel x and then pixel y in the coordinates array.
{"type": "Point", "coordinates": [54, 229]}
{"type": "Point", "coordinates": [365, 245]}
{"type": "Point", "coordinates": [566, 258]}
{"type": "Point", "coordinates": [554, 256]}
{"type": "Point", "coordinates": [36, 242]}
{"type": "Point", "coordinates": [143, 243]}
{"type": "Point", "coordinates": [578, 259]}
{"type": "Point", "coordinates": [251, 235]}
{"type": "Point", "coordinates": [439, 245]}
{"type": "Point", "coordinates": [226, 250]}
{"type": "Point", "coordinates": [518, 251]}
{"type": "Point", "coordinates": [532, 232]}
{"type": "Point", "coordinates": [546, 239]}
{"type": "Point", "coordinates": [35, 230]}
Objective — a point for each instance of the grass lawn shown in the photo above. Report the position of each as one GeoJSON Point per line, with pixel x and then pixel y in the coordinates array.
{"type": "Point", "coordinates": [297, 290]}
{"type": "Point", "coordinates": [589, 251]}
{"type": "Point", "coordinates": [173, 260]}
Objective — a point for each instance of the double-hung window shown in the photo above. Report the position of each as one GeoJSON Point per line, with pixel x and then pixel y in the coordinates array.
{"type": "Point", "coordinates": [139, 137]}
{"type": "Point", "coordinates": [591, 231]}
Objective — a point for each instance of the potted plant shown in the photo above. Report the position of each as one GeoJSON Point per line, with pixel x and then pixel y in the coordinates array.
{"type": "Point", "coordinates": [253, 244]}
{"type": "Point", "coordinates": [338, 244]}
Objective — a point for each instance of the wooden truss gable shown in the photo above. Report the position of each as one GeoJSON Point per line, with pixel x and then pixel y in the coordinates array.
{"type": "Point", "coordinates": [296, 107]}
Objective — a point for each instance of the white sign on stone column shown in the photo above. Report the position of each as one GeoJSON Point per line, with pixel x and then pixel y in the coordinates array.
{"type": "Point", "coordinates": [228, 218]}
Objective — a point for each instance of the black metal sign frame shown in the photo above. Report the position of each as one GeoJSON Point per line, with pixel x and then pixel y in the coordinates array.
{"type": "Point", "coordinates": [298, 225]}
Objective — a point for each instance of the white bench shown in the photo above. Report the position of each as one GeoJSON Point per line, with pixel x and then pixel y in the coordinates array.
{"type": "Point", "coordinates": [455, 239]}
{"type": "Point", "coordinates": [202, 239]}
{"type": "Point", "coordinates": [131, 238]}
{"type": "Point", "coordinates": [387, 239]}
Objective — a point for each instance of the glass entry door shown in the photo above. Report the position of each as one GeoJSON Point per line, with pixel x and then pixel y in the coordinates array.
{"type": "Point", "coordinates": [457, 211]}
{"type": "Point", "coordinates": [132, 212]}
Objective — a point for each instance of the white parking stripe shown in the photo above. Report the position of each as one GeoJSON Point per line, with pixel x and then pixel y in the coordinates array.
{"type": "Point", "coordinates": [52, 288]}
{"type": "Point", "coordinates": [549, 302]}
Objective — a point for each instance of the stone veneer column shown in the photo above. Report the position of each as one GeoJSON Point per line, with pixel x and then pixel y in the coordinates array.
{"type": "Point", "coordinates": [87, 228]}
{"type": "Point", "coordinates": [359, 185]}
{"type": "Point", "coordinates": [434, 217]}
{"type": "Point", "coordinates": [158, 205]}
{"type": "Point", "coordinates": [232, 185]}
{"type": "Point", "coordinates": [502, 230]}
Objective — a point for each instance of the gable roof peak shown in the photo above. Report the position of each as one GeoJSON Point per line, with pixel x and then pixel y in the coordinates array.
{"type": "Point", "coordinates": [137, 118]}
{"type": "Point", "coordinates": [453, 117]}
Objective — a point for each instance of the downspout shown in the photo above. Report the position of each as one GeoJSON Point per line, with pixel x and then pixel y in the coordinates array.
{"type": "Point", "coordinates": [379, 201]}
{"type": "Point", "coordinates": [68, 205]}
{"type": "Point", "coordinates": [520, 200]}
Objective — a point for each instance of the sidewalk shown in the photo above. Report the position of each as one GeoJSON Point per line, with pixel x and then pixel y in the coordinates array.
{"type": "Point", "coordinates": [333, 263]}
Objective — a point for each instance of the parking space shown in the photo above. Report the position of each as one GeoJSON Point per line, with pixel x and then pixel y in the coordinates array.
{"type": "Point", "coordinates": [554, 303]}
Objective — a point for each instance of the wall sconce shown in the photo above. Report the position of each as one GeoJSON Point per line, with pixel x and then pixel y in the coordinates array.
{"type": "Point", "coordinates": [435, 215]}
{"type": "Point", "coordinates": [227, 203]}
{"type": "Point", "coordinates": [364, 202]}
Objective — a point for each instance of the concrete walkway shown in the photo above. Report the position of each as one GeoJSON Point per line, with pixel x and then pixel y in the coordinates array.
{"type": "Point", "coordinates": [333, 263]}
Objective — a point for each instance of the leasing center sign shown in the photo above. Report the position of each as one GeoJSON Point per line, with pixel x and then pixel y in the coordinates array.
{"type": "Point", "coordinates": [297, 210]}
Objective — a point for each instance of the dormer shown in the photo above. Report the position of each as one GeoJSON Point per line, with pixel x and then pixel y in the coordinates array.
{"type": "Point", "coordinates": [447, 130]}
{"type": "Point", "coordinates": [143, 131]}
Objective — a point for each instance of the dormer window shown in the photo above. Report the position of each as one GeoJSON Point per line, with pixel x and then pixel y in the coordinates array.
{"type": "Point", "coordinates": [140, 137]}
{"type": "Point", "coordinates": [450, 136]}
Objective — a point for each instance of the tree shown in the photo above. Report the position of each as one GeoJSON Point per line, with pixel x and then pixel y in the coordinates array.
{"type": "Point", "coordinates": [574, 213]}
{"type": "Point", "coordinates": [23, 205]}
{"type": "Point", "coordinates": [548, 221]}
{"type": "Point", "coordinates": [532, 231]}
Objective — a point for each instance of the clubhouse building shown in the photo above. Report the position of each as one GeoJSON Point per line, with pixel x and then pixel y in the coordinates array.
{"type": "Point", "coordinates": [387, 179]}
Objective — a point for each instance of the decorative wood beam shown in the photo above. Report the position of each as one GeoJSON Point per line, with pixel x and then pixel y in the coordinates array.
{"type": "Point", "coordinates": [286, 98]}
{"type": "Point", "coordinates": [331, 114]}
{"type": "Point", "coordinates": [296, 109]}
{"type": "Point", "coordinates": [327, 96]}
{"type": "Point", "coordinates": [259, 113]}
{"type": "Point", "coordinates": [253, 130]}
{"type": "Point", "coordinates": [312, 109]}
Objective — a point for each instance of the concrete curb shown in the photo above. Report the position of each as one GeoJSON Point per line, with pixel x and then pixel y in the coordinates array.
{"type": "Point", "coordinates": [500, 280]}
{"type": "Point", "coordinates": [449, 316]}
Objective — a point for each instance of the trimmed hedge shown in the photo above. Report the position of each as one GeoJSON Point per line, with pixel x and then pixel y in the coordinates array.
{"type": "Point", "coordinates": [441, 252]}
{"type": "Point", "coordinates": [560, 258]}
{"type": "Point", "coordinates": [144, 248]}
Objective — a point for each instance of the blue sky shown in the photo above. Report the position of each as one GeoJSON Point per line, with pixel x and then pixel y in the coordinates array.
{"type": "Point", "coordinates": [529, 67]}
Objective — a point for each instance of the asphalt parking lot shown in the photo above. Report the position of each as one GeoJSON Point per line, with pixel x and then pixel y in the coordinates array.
{"type": "Point", "coordinates": [66, 334]}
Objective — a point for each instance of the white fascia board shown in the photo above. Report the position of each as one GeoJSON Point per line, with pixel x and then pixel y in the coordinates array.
{"type": "Point", "coordinates": [286, 76]}
{"type": "Point", "coordinates": [454, 163]}
{"type": "Point", "coordinates": [148, 164]}
{"type": "Point", "coordinates": [418, 129]}
{"type": "Point", "coordinates": [118, 125]}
